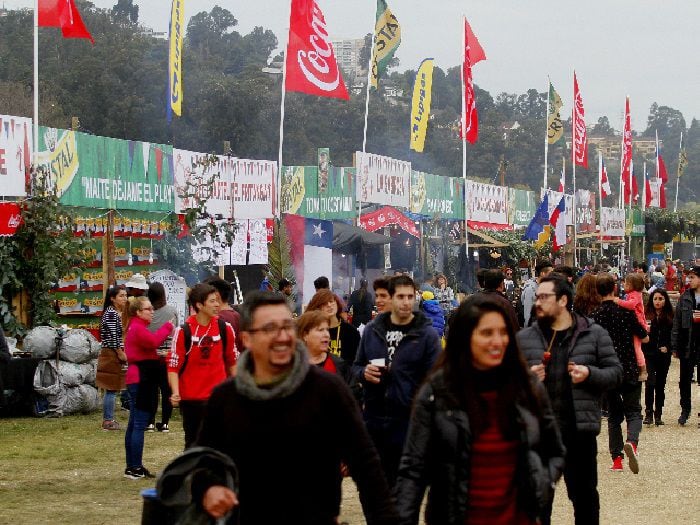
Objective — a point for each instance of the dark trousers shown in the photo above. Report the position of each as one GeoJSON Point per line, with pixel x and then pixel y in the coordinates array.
{"type": "Point", "coordinates": [192, 414]}
{"type": "Point", "coordinates": [655, 386]}
{"type": "Point", "coordinates": [624, 404]}
{"type": "Point", "coordinates": [684, 381]}
{"type": "Point", "coordinates": [388, 436]}
{"type": "Point", "coordinates": [581, 478]}
{"type": "Point", "coordinates": [165, 392]}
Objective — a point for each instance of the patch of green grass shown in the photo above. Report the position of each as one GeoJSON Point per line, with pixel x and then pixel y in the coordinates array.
{"type": "Point", "coordinates": [68, 471]}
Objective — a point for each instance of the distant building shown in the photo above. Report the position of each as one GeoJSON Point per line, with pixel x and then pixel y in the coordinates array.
{"type": "Point", "coordinates": [347, 53]}
{"type": "Point", "coordinates": [610, 147]}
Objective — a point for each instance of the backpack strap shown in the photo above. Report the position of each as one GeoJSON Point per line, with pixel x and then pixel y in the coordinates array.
{"type": "Point", "coordinates": [187, 332]}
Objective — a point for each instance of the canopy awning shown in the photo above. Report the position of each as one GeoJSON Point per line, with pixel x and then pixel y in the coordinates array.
{"type": "Point", "coordinates": [349, 238]}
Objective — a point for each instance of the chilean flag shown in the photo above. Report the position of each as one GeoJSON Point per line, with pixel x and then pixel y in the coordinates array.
{"type": "Point", "coordinates": [558, 222]}
{"type": "Point", "coordinates": [311, 241]}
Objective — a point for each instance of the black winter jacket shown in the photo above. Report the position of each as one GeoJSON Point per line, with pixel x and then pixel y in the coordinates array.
{"type": "Point", "coordinates": [682, 342]}
{"type": "Point", "coordinates": [412, 361]}
{"type": "Point", "coordinates": [288, 442]}
{"type": "Point", "coordinates": [437, 454]}
{"type": "Point", "coordinates": [659, 336]}
{"type": "Point", "coordinates": [588, 345]}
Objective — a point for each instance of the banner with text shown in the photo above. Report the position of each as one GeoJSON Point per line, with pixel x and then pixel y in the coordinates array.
{"type": "Point", "coordinates": [15, 154]}
{"type": "Point", "coordinates": [300, 193]}
{"type": "Point", "coordinates": [437, 195]}
{"type": "Point", "coordinates": [612, 222]}
{"type": "Point", "coordinates": [487, 205]}
{"type": "Point", "coordinates": [253, 188]}
{"type": "Point", "coordinates": [585, 211]}
{"type": "Point", "coordinates": [382, 180]}
{"type": "Point", "coordinates": [101, 172]}
{"type": "Point", "coordinates": [522, 205]}
{"type": "Point", "coordinates": [205, 177]}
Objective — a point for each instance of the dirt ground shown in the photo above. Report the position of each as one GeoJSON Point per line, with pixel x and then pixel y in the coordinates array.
{"type": "Point", "coordinates": [666, 490]}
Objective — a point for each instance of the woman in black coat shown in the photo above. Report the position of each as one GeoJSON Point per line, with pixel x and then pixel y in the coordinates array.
{"type": "Point", "coordinates": [657, 353]}
{"type": "Point", "coordinates": [482, 434]}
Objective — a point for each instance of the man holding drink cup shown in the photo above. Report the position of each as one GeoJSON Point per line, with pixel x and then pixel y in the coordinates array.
{"type": "Point", "coordinates": [685, 338]}
{"type": "Point", "coordinates": [397, 350]}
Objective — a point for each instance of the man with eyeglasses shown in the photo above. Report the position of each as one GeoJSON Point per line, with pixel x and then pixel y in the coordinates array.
{"type": "Point", "coordinates": [575, 359]}
{"type": "Point", "coordinates": [288, 426]}
{"type": "Point", "coordinates": [202, 355]}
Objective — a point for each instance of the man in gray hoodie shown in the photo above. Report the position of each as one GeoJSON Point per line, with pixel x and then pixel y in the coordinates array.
{"type": "Point", "coordinates": [290, 428]}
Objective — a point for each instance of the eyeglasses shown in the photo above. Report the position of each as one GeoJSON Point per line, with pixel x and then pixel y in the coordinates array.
{"type": "Point", "coordinates": [274, 330]}
{"type": "Point", "coordinates": [543, 296]}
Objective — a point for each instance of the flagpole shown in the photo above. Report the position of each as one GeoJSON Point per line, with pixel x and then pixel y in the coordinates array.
{"type": "Point", "coordinates": [463, 126]}
{"type": "Point", "coordinates": [573, 176]}
{"type": "Point", "coordinates": [629, 237]}
{"type": "Point", "coordinates": [600, 196]}
{"type": "Point", "coordinates": [644, 210]}
{"type": "Point", "coordinates": [546, 133]}
{"type": "Point", "coordinates": [678, 173]}
{"type": "Point", "coordinates": [35, 127]}
{"type": "Point", "coordinates": [369, 78]}
{"type": "Point", "coordinates": [284, 97]}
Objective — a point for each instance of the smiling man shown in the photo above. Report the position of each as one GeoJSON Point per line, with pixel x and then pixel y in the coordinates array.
{"type": "Point", "coordinates": [288, 427]}
{"type": "Point", "coordinates": [575, 359]}
{"type": "Point", "coordinates": [407, 345]}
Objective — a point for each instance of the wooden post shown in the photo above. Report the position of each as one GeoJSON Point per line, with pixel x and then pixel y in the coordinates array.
{"type": "Point", "coordinates": [108, 253]}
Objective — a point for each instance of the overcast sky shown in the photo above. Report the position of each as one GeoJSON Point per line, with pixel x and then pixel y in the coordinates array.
{"type": "Point", "coordinates": [641, 48]}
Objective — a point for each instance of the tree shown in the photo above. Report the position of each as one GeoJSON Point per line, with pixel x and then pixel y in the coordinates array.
{"type": "Point", "coordinates": [126, 11]}
{"type": "Point", "coordinates": [603, 128]}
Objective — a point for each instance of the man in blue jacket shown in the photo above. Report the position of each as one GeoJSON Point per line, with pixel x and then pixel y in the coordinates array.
{"type": "Point", "coordinates": [396, 352]}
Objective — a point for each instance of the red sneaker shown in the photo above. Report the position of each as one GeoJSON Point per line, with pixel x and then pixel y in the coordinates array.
{"type": "Point", "coordinates": [632, 457]}
{"type": "Point", "coordinates": [617, 464]}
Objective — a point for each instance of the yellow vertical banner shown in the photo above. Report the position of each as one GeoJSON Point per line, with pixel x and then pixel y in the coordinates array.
{"type": "Point", "coordinates": [177, 26]}
{"type": "Point", "coordinates": [420, 109]}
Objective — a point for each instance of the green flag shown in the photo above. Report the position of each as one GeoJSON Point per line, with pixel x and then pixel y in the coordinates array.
{"type": "Point", "coordinates": [555, 129]}
{"type": "Point", "coordinates": [682, 160]}
{"type": "Point", "coordinates": [387, 37]}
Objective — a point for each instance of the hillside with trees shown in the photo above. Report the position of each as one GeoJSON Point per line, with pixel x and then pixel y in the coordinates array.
{"type": "Point", "coordinates": [117, 88]}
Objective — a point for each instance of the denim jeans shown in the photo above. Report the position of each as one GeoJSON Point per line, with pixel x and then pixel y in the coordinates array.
{"type": "Point", "coordinates": [133, 440]}
{"type": "Point", "coordinates": [108, 405]}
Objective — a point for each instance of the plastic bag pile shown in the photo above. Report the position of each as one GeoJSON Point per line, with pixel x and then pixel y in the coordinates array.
{"type": "Point", "coordinates": [67, 385]}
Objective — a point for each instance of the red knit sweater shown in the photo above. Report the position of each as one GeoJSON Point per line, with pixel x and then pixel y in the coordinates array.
{"type": "Point", "coordinates": [493, 494]}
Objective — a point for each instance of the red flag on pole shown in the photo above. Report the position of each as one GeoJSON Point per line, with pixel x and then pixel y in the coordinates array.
{"type": "Point", "coordinates": [63, 14]}
{"type": "Point", "coordinates": [647, 193]}
{"type": "Point", "coordinates": [626, 160]}
{"type": "Point", "coordinates": [580, 137]}
{"type": "Point", "coordinates": [660, 164]}
{"type": "Point", "coordinates": [662, 195]}
{"type": "Point", "coordinates": [311, 66]}
{"type": "Point", "coordinates": [604, 181]}
{"type": "Point", "coordinates": [472, 53]}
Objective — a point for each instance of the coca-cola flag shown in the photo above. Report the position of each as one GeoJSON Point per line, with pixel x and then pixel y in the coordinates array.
{"type": "Point", "coordinates": [579, 132]}
{"type": "Point", "coordinates": [473, 53]}
{"type": "Point", "coordinates": [626, 162]}
{"type": "Point", "coordinates": [310, 62]}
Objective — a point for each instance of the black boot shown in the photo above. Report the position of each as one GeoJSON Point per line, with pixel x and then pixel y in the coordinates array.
{"type": "Point", "coordinates": [648, 417]}
{"type": "Point", "coordinates": [657, 418]}
{"type": "Point", "coordinates": [683, 419]}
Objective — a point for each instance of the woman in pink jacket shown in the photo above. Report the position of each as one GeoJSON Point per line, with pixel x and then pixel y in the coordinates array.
{"type": "Point", "coordinates": [141, 348]}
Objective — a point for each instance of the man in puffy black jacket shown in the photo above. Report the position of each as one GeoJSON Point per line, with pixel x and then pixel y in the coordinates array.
{"type": "Point", "coordinates": [685, 339]}
{"type": "Point", "coordinates": [407, 345]}
{"type": "Point", "coordinates": [575, 359]}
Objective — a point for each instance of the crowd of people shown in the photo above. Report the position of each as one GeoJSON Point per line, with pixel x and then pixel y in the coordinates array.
{"type": "Point", "coordinates": [486, 416]}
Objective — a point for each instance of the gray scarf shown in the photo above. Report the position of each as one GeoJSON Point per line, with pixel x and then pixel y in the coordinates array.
{"type": "Point", "coordinates": [245, 382]}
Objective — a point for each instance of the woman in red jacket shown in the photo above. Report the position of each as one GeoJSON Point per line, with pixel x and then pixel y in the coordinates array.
{"type": "Point", "coordinates": [141, 347]}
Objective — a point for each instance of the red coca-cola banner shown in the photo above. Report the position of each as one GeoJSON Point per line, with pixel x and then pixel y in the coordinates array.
{"type": "Point", "coordinates": [388, 216]}
{"type": "Point", "coordinates": [10, 218]}
{"type": "Point", "coordinates": [311, 64]}
{"type": "Point", "coordinates": [580, 136]}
